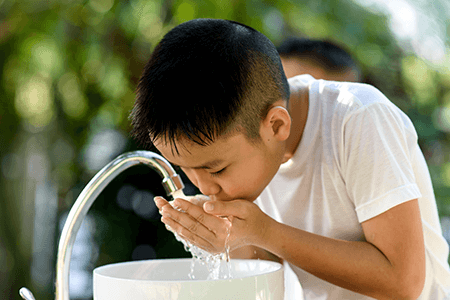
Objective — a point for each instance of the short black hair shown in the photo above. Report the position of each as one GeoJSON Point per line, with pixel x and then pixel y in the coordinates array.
{"type": "Point", "coordinates": [205, 78]}
{"type": "Point", "coordinates": [329, 56]}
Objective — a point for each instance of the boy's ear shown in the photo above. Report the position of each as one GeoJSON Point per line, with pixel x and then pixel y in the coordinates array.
{"type": "Point", "coordinates": [277, 124]}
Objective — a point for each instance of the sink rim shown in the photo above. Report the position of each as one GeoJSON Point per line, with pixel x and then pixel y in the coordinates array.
{"type": "Point", "coordinates": [98, 271]}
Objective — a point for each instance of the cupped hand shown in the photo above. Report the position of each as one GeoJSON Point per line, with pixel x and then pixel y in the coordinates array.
{"type": "Point", "coordinates": [249, 223]}
{"type": "Point", "coordinates": [208, 227]}
{"type": "Point", "coordinates": [192, 223]}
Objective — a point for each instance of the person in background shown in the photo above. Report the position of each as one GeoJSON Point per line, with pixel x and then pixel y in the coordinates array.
{"type": "Point", "coordinates": [318, 58]}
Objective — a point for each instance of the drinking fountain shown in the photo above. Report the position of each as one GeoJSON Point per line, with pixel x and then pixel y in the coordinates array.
{"type": "Point", "coordinates": [156, 279]}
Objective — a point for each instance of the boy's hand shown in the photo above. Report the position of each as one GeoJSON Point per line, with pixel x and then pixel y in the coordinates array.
{"type": "Point", "coordinates": [249, 223]}
{"type": "Point", "coordinates": [193, 224]}
{"type": "Point", "coordinates": [207, 228]}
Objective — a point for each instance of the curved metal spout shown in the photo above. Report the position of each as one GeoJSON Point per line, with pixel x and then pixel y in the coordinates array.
{"type": "Point", "coordinates": [171, 182]}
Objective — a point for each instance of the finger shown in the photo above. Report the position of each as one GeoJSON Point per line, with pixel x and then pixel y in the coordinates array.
{"type": "Point", "coordinates": [189, 229]}
{"type": "Point", "coordinates": [197, 213]}
{"type": "Point", "coordinates": [188, 222]}
{"type": "Point", "coordinates": [237, 208]}
{"type": "Point", "coordinates": [187, 235]}
{"type": "Point", "coordinates": [160, 202]}
{"type": "Point", "coordinates": [199, 199]}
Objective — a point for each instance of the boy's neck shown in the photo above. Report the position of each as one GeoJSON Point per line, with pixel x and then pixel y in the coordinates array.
{"type": "Point", "coordinates": [298, 109]}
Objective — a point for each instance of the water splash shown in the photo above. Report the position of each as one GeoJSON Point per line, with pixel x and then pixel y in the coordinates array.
{"type": "Point", "coordinates": [218, 265]}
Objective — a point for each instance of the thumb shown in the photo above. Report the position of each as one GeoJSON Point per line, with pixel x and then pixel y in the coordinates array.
{"type": "Point", "coordinates": [236, 208]}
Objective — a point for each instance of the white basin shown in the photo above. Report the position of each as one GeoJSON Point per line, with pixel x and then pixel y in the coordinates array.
{"type": "Point", "coordinates": [168, 279]}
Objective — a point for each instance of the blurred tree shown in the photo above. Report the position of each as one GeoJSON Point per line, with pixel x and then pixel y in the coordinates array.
{"type": "Point", "coordinates": [68, 70]}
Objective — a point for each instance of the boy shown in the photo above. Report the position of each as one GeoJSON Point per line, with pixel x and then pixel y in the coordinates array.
{"type": "Point", "coordinates": [343, 192]}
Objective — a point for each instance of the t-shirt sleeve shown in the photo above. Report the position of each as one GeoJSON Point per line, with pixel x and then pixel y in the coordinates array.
{"type": "Point", "coordinates": [378, 140]}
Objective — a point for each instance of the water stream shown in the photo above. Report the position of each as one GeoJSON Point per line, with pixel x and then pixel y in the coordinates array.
{"type": "Point", "coordinates": [218, 265]}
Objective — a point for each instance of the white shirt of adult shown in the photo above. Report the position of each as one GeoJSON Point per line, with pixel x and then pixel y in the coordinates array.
{"type": "Point", "coordinates": [358, 157]}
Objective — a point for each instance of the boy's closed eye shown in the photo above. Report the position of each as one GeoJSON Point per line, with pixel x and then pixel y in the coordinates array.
{"type": "Point", "coordinates": [218, 173]}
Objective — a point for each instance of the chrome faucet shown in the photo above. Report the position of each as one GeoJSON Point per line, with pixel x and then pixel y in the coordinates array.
{"type": "Point", "coordinates": [172, 184]}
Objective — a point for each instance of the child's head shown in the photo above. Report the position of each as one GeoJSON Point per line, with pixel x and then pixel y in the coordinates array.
{"type": "Point", "coordinates": [321, 59]}
{"type": "Point", "coordinates": [207, 78]}
{"type": "Point", "coordinates": [212, 100]}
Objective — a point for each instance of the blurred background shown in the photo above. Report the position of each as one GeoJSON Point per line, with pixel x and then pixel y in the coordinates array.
{"type": "Point", "coordinates": [68, 70]}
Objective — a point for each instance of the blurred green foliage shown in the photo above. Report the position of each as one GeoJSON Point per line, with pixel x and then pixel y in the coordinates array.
{"type": "Point", "coordinates": [68, 70]}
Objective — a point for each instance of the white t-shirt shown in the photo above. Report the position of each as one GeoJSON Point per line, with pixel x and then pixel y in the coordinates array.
{"type": "Point", "coordinates": [358, 157]}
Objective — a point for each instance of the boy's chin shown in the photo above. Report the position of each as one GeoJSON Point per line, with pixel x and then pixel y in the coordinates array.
{"type": "Point", "coordinates": [250, 198]}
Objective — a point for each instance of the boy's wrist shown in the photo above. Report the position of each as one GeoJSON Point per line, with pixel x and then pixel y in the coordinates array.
{"type": "Point", "coordinates": [268, 233]}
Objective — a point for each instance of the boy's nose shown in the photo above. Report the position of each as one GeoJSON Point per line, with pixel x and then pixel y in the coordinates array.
{"type": "Point", "coordinates": [207, 186]}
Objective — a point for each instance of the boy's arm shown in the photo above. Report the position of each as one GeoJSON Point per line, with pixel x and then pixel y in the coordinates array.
{"type": "Point", "coordinates": [253, 252]}
{"type": "Point", "coordinates": [389, 265]}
